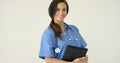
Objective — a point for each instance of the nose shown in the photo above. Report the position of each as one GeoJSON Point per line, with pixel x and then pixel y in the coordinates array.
{"type": "Point", "coordinates": [61, 12]}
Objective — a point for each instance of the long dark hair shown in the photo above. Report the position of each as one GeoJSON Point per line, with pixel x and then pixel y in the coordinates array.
{"type": "Point", "coordinates": [52, 10]}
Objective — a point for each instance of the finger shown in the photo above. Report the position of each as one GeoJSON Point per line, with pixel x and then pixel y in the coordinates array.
{"type": "Point", "coordinates": [77, 59]}
{"type": "Point", "coordinates": [86, 58]}
{"type": "Point", "coordinates": [85, 62]}
{"type": "Point", "coordinates": [81, 60]}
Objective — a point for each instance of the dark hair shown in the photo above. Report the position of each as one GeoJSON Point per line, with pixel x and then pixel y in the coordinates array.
{"type": "Point", "coordinates": [52, 10]}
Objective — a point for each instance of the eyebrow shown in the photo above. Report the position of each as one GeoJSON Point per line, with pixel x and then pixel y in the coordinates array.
{"type": "Point", "coordinates": [62, 8]}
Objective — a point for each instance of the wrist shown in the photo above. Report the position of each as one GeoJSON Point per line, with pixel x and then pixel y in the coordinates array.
{"type": "Point", "coordinates": [69, 62]}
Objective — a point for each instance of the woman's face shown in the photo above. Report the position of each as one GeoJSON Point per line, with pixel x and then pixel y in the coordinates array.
{"type": "Point", "coordinates": [61, 12]}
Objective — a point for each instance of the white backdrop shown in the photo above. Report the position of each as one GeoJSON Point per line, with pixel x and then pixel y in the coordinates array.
{"type": "Point", "coordinates": [23, 21]}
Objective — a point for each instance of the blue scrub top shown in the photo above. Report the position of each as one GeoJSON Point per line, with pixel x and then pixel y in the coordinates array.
{"type": "Point", "coordinates": [50, 44]}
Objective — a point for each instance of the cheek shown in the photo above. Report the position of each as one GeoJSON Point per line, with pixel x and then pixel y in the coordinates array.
{"type": "Point", "coordinates": [56, 14]}
{"type": "Point", "coordinates": [65, 13]}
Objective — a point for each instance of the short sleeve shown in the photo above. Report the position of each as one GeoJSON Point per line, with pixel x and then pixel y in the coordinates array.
{"type": "Point", "coordinates": [83, 42]}
{"type": "Point", "coordinates": [47, 45]}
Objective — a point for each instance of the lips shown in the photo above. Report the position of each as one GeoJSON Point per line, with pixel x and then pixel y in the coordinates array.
{"type": "Point", "coordinates": [62, 16]}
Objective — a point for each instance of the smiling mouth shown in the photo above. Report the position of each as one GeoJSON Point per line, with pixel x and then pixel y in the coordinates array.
{"type": "Point", "coordinates": [61, 16]}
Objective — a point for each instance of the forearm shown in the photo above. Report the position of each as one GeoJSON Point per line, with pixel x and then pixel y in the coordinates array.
{"type": "Point", "coordinates": [54, 60]}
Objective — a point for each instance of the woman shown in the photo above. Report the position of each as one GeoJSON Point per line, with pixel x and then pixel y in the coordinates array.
{"type": "Point", "coordinates": [59, 34]}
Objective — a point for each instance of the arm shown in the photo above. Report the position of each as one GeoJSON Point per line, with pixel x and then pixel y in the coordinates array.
{"type": "Point", "coordinates": [54, 60]}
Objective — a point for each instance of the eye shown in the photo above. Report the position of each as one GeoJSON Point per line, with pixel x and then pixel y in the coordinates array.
{"type": "Point", "coordinates": [57, 9]}
{"type": "Point", "coordinates": [64, 9]}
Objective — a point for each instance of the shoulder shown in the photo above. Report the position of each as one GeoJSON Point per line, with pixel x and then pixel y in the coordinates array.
{"type": "Point", "coordinates": [48, 32]}
{"type": "Point", "coordinates": [48, 36]}
{"type": "Point", "coordinates": [73, 27]}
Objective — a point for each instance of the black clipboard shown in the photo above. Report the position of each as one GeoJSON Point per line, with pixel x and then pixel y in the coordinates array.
{"type": "Point", "coordinates": [73, 52]}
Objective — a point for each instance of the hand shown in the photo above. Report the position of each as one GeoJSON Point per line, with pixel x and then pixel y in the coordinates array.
{"type": "Point", "coordinates": [81, 60]}
{"type": "Point", "coordinates": [86, 59]}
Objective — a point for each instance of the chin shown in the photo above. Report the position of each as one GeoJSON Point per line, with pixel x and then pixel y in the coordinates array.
{"type": "Point", "coordinates": [61, 19]}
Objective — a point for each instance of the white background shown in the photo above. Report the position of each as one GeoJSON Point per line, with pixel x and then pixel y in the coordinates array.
{"type": "Point", "coordinates": [22, 23]}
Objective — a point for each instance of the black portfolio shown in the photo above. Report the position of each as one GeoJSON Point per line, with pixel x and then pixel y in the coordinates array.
{"type": "Point", "coordinates": [73, 52]}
